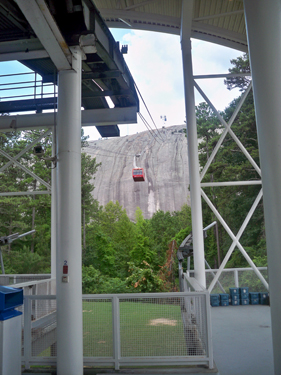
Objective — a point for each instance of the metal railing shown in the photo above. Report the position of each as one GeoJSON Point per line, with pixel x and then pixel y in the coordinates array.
{"type": "Point", "coordinates": [22, 92]}
{"type": "Point", "coordinates": [236, 277]}
{"type": "Point", "coordinates": [11, 86]}
{"type": "Point", "coordinates": [9, 279]}
{"type": "Point", "coordinates": [157, 329]}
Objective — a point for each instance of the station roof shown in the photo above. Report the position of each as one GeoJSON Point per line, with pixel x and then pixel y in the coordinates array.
{"type": "Point", "coordinates": [217, 21]}
{"type": "Point", "coordinates": [40, 34]}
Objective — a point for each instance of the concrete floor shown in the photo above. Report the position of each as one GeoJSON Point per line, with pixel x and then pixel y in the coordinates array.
{"type": "Point", "coordinates": [242, 340]}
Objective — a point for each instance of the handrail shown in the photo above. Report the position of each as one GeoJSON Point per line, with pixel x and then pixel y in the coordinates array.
{"type": "Point", "coordinates": [31, 283]}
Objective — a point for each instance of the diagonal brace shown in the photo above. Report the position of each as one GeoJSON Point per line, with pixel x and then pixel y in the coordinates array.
{"type": "Point", "coordinates": [25, 150]}
{"type": "Point", "coordinates": [235, 239]}
{"type": "Point", "coordinates": [228, 129]}
{"type": "Point", "coordinates": [224, 133]}
{"type": "Point", "coordinates": [26, 170]}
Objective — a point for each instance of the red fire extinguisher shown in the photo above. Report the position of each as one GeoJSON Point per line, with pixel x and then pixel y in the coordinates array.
{"type": "Point", "coordinates": [65, 268]}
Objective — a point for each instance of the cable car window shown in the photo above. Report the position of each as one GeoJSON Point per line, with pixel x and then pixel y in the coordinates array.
{"type": "Point", "coordinates": [137, 172]}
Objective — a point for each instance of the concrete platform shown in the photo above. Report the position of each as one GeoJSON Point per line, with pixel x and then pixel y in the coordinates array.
{"type": "Point", "coordinates": [242, 340]}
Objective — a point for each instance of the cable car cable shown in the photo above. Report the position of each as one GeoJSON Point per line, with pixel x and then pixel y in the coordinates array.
{"type": "Point", "coordinates": [147, 126]}
{"type": "Point", "coordinates": [147, 109]}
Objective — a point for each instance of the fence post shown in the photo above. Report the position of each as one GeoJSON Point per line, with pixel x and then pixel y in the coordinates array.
{"type": "Point", "coordinates": [236, 279]}
{"type": "Point", "coordinates": [209, 329]}
{"type": "Point", "coordinates": [27, 331]}
{"type": "Point", "coordinates": [116, 331]}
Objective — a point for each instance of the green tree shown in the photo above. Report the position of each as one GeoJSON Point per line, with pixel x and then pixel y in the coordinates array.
{"type": "Point", "coordinates": [90, 206]}
{"type": "Point", "coordinates": [112, 233]}
{"type": "Point", "coordinates": [142, 249]}
{"type": "Point", "coordinates": [143, 279]}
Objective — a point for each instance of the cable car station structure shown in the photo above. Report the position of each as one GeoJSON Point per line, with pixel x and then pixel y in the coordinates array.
{"type": "Point", "coordinates": [68, 43]}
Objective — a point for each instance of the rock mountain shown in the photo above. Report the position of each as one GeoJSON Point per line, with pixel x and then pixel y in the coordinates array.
{"type": "Point", "coordinates": [165, 162]}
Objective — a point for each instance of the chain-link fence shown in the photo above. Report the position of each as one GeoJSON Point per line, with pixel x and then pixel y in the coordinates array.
{"type": "Point", "coordinates": [126, 330]}
{"type": "Point", "coordinates": [236, 277]}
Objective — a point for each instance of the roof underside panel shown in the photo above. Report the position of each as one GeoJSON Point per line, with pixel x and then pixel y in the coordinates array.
{"type": "Point", "coordinates": [218, 21]}
{"type": "Point", "coordinates": [105, 73]}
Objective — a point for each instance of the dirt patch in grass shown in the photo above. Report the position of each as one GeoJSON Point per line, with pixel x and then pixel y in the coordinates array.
{"type": "Point", "coordinates": [163, 321]}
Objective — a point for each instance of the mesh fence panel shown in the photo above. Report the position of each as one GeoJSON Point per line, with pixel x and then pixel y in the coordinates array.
{"type": "Point", "coordinates": [246, 278]}
{"type": "Point", "coordinates": [43, 328]}
{"type": "Point", "coordinates": [164, 326]}
{"type": "Point", "coordinates": [159, 327]}
{"type": "Point", "coordinates": [97, 328]}
{"type": "Point", "coordinates": [21, 309]}
{"type": "Point", "coordinates": [226, 279]}
{"type": "Point", "coordinates": [250, 279]}
{"type": "Point", "coordinates": [4, 280]}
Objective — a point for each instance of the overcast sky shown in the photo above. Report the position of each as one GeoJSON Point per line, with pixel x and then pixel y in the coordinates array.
{"type": "Point", "coordinates": [155, 62]}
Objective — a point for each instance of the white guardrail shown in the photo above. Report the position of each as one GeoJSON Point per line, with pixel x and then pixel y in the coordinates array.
{"type": "Point", "coordinates": [9, 279]}
{"type": "Point", "coordinates": [235, 277]}
{"type": "Point", "coordinates": [155, 329]}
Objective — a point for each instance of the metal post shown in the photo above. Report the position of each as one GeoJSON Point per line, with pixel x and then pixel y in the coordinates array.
{"type": "Point", "coordinates": [116, 331]}
{"type": "Point", "coordinates": [2, 262]}
{"type": "Point", "coordinates": [69, 287]}
{"type": "Point", "coordinates": [53, 212]}
{"type": "Point", "coordinates": [27, 331]}
{"type": "Point", "coordinates": [263, 22]}
{"type": "Point", "coordinates": [195, 196]}
{"type": "Point", "coordinates": [236, 279]}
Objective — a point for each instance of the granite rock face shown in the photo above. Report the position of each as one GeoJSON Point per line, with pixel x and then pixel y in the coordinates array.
{"type": "Point", "coordinates": [165, 162]}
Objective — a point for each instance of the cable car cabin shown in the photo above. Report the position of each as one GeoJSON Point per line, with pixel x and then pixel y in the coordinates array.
{"type": "Point", "coordinates": [138, 174]}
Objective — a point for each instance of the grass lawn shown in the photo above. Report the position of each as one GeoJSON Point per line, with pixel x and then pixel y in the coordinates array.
{"type": "Point", "coordinates": [146, 329]}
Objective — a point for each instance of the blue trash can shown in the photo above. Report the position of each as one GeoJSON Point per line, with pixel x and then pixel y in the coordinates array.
{"type": "Point", "coordinates": [10, 330]}
{"type": "Point", "coordinates": [10, 298]}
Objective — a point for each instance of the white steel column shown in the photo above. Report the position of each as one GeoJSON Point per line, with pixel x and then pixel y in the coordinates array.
{"type": "Point", "coordinates": [195, 195]}
{"type": "Point", "coordinates": [69, 292]}
{"type": "Point", "coordinates": [53, 212]}
{"type": "Point", "coordinates": [263, 20]}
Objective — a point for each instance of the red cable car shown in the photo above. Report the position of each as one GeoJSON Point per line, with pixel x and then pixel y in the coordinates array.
{"type": "Point", "coordinates": [138, 174]}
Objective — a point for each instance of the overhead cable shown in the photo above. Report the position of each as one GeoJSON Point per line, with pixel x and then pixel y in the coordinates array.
{"type": "Point", "coordinates": [148, 127]}
{"type": "Point", "coordinates": [148, 111]}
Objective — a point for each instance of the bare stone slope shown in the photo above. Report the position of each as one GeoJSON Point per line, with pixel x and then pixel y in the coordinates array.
{"type": "Point", "coordinates": [165, 163]}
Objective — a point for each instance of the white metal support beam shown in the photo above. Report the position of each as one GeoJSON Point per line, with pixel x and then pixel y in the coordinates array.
{"type": "Point", "coordinates": [231, 183]}
{"type": "Point", "coordinates": [13, 160]}
{"type": "Point", "coordinates": [53, 211]}
{"type": "Point", "coordinates": [193, 160]}
{"type": "Point", "coordinates": [228, 130]}
{"type": "Point", "coordinates": [42, 22]}
{"type": "Point", "coordinates": [90, 117]}
{"type": "Point", "coordinates": [224, 133]}
{"type": "Point", "coordinates": [263, 24]}
{"type": "Point", "coordinates": [17, 56]}
{"type": "Point", "coordinates": [235, 240]}
{"type": "Point", "coordinates": [68, 228]}
{"type": "Point", "coordinates": [32, 144]}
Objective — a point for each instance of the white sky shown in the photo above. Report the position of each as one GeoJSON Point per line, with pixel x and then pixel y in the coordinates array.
{"type": "Point", "coordinates": [155, 62]}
